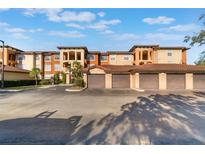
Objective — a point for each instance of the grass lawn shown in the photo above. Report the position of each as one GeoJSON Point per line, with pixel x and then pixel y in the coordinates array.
{"type": "Point", "coordinates": [23, 87]}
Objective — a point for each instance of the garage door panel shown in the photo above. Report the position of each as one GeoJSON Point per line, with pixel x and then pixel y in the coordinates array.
{"type": "Point", "coordinates": [175, 81]}
{"type": "Point", "coordinates": [199, 81]}
{"type": "Point", "coordinates": [120, 81]}
{"type": "Point", "coordinates": [149, 81]}
{"type": "Point", "coordinates": [96, 81]}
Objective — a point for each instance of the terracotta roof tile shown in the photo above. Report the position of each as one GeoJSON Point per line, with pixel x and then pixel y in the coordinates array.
{"type": "Point", "coordinates": [14, 69]}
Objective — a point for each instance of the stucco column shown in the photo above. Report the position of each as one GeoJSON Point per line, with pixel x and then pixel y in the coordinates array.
{"type": "Point", "coordinates": [108, 80]}
{"type": "Point", "coordinates": [162, 81]}
{"type": "Point", "coordinates": [68, 77]}
{"type": "Point", "coordinates": [137, 81]}
{"type": "Point", "coordinates": [189, 81]}
{"type": "Point", "coordinates": [68, 56]}
{"type": "Point", "coordinates": [132, 81]}
{"type": "Point", "coordinates": [85, 78]}
{"type": "Point", "coordinates": [140, 58]}
{"type": "Point", "coordinates": [75, 55]}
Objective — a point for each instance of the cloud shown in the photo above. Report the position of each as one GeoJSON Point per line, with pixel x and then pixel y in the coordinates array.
{"type": "Point", "coordinates": [19, 36]}
{"type": "Point", "coordinates": [3, 24]}
{"type": "Point", "coordinates": [58, 15]}
{"type": "Point", "coordinates": [159, 20]}
{"type": "Point", "coordinates": [106, 32]}
{"type": "Point", "coordinates": [163, 36]}
{"type": "Point", "coordinates": [182, 28]}
{"type": "Point", "coordinates": [74, 25]}
{"type": "Point", "coordinates": [22, 30]}
{"type": "Point", "coordinates": [125, 37]}
{"type": "Point", "coordinates": [4, 9]}
{"type": "Point", "coordinates": [67, 34]}
{"type": "Point", "coordinates": [103, 24]}
{"type": "Point", "coordinates": [101, 14]}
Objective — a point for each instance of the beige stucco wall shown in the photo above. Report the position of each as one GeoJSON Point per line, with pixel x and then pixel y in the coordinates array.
{"type": "Point", "coordinates": [108, 81]}
{"type": "Point", "coordinates": [137, 81]}
{"type": "Point", "coordinates": [27, 62]}
{"type": "Point", "coordinates": [17, 76]}
{"type": "Point", "coordinates": [119, 59]}
{"type": "Point", "coordinates": [162, 81]}
{"type": "Point", "coordinates": [189, 81]}
{"type": "Point", "coordinates": [132, 81]}
{"type": "Point", "coordinates": [162, 56]}
{"type": "Point", "coordinates": [96, 71]}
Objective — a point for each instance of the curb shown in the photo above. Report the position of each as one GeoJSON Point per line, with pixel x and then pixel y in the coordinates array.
{"type": "Point", "coordinates": [75, 90]}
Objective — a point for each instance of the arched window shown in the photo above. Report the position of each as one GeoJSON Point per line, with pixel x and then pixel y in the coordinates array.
{"type": "Point", "coordinates": [145, 55]}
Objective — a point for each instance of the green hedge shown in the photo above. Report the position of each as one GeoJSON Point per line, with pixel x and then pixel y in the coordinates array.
{"type": "Point", "coordinates": [15, 83]}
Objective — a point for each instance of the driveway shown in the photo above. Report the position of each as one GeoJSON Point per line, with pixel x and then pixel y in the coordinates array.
{"type": "Point", "coordinates": [53, 116]}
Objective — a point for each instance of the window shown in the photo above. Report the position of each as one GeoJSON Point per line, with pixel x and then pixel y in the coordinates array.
{"type": "Point", "coordinates": [38, 66]}
{"type": "Point", "coordinates": [65, 56]}
{"type": "Point", "coordinates": [90, 57]}
{"type": "Point", "coordinates": [37, 57]}
{"type": "Point", "coordinates": [20, 58]}
{"type": "Point", "coordinates": [57, 67]}
{"type": "Point", "coordinates": [72, 55]}
{"type": "Point", "coordinates": [112, 57]}
{"type": "Point", "coordinates": [57, 57]}
{"type": "Point", "coordinates": [126, 57]}
{"type": "Point", "coordinates": [103, 58]}
{"type": "Point", "coordinates": [78, 56]}
{"type": "Point", "coordinates": [47, 58]}
{"type": "Point", "coordinates": [145, 55]}
{"type": "Point", "coordinates": [169, 53]}
{"type": "Point", "coordinates": [47, 67]}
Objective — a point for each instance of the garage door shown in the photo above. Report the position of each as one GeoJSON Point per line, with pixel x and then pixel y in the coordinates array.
{"type": "Point", "coordinates": [175, 81]}
{"type": "Point", "coordinates": [96, 81]}
{"type": "Point", "coordinates": [149, 81]}
{"type": "Point", "coordinates": [120, 81]}
{"type": "Point", "coordinates": [199, 81]}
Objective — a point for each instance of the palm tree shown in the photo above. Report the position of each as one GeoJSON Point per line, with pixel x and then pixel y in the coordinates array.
{"type": "Point", "coordinates": [34, 73]}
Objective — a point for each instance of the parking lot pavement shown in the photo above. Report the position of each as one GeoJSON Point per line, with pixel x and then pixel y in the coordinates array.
{"type": "Point", "coordinates": [54, 116]}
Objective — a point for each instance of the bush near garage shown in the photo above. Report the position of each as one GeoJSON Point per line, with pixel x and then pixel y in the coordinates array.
{"type": "Point", "coordinates": [45, 82]}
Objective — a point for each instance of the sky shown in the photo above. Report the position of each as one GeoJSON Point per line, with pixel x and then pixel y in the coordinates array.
{"type": "Point", "coordinates": [99, 29]}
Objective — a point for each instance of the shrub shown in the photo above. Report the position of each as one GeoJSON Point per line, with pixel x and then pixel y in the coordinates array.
{"type": "Point", "coordinates": [63, 80]}
{"type": "Point", "coordinates": [79, 82]}
{"type": "Point", "coordinates": [15, 83]}
{"type": "Point", "coordinates": [56, 78]}
{"type": "Point", "coordinates": [44, 82]}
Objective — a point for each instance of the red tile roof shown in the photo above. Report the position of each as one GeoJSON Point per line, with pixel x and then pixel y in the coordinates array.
{"type": "Point", "coordinates": [14, 69]}
{"type": "Point", "coordinates": [150, 68]}
{"type": "Point", "coordinates": [169, 68]}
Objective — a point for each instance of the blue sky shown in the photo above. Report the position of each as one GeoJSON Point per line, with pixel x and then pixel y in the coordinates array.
{"type": "Point", "coordinates": [99, 29]}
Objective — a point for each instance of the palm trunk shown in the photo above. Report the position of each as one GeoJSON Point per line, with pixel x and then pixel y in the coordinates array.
{"type": "Point", "coordinates": [36, 80]}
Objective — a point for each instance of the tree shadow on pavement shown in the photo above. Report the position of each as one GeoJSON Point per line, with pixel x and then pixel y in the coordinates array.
{"type": "Point", "coordinates": [155, 119]}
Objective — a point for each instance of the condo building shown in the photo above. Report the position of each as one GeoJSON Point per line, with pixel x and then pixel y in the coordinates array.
{"type": "Point", "coordinates": [141, 67]}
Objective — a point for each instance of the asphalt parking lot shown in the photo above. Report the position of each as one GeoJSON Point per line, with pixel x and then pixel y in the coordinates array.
{"type": "Point", "coordinates": [54, 116]}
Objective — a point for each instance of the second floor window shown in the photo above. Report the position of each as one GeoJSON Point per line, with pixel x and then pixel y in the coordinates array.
{"type": "Point", "coordinates": [112, 57]}
{"type": "Point", "coordinates": [103, 58]}
{"type": "Point", "coordinates": [47, 58]}
{"type": "Point", "coordinates": [47, 67]}
{"type": "Point", "coordinates": [90, 57]}
{"type": "Point", "coordinates": [57, 67]}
